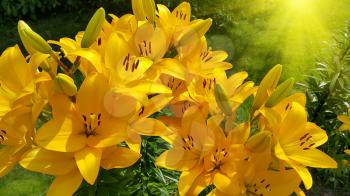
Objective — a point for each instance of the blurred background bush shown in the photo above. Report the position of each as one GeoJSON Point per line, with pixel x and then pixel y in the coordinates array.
{"type": "Point", "coordinates": [311, 38]}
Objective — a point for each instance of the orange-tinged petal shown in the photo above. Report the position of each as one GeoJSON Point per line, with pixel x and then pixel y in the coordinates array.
{"type": "Point", "coordinates": [120, 105]}
{"type": "Point", "coordinates": [118, 157]}
{"type": "Point", "coordinates": [199, 184]}
{"type": "Point", "coordinates": [62, 134]}
{"type": "Point", "coordinates": [48, 162]}
{"type": "Point", "coordinates": [192, 117]}
{"type": "Point", "coordinates": [177, 159]}
{"type": "Point", "coordinates": [134, 141]}
{"type": "Point", "coordinates": [65, 184]}
{"type": "Point", "coordinates": [239, 134]}
{"type": "Point", "coordinates": [169, 66]}
{"type": "Point", "coordinates": [234, 81]}
{"type": "Point", "coordinates": [9, 157]}
{"type": "Point", "coordinates": [155, 104]}
{"type": "Point", "coordinates": [88, 161]}
{"type": "Point", "coordinates": [150, 127]}
{"type": "Point", "coordinates": [187, 179]}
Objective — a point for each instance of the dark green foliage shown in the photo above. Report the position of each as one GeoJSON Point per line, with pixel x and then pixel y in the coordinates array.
{"type": "Point", "coordinates": [33, 8]}
{"type": "Point", "coordinates": [328, 93]}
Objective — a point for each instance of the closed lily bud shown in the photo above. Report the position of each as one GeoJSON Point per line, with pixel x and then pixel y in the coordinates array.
{"type": "Point", "coordinates": [267, 85]}
{"type": "Point", "coordinates": [280, 92]}
{"type": "Point", "coordinates": [259, 142]}
{"type": "Point", "coordinates": [144, 10]}
{"type": "Point", "coordinates": [93, 28]}
{"type": "Point", "coordinates": [222, 100]}
{"type": "Point", "coordinates": [20, 27]}
{"type": "Point", "coordinates": [194, 32]}
{"type": "Point", "coordinates": [150, 10]}
{"type": "Point", "coordinates": [137, 8]}
{"type": "Point", "coordinates": [31, 40]}
{"type": "Point", "coordinates": [65, 84]}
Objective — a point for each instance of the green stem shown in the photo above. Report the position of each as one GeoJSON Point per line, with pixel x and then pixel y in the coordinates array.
{"type": "Point", "coordinates": [63, 66]}
{"type": "Point", "coordinates": [75, 66]}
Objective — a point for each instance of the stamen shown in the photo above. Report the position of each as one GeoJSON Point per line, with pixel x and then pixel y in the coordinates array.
{"type": "Point", "coordinates": [304, 136]}
{"type": "Point", "coordinates": [150, 47]}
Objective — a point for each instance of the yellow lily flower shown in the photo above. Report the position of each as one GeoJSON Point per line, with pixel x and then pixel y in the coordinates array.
{"type": "Point", "coordinates": [16, 79]}
{"type": "Point", "coordinates": [298, 147]}
{"type": "Point", "coordinates": [269, 183]}
{"type": "Point", "coordinates": [180, 31]}
{"type": "Point", "coordinates": [202, 61]}
{"type": "Point", "coordinates": [191, 141]}
{"type": "Point", "coordinates": [140, 124]}
{"type": "Point", "coordinates": [236, 89]}
{"type": "Point", "coordinates": [64, 166]}
{"type": "Point", "coordinates": [171, 21]}
{"type": "Point", "coordinates": [127, 73]}
{"type": "Point", "coordinates": [219, 166]}
{"type": "Point", "coordinates": [20, 81]}
{"type": "Point", "coordinates": [150, 41]}
{"type": "Point", "coordinates": [345, 120]}
{"type": "Point", "coordinates": [15, 134]}
{"type": "Point", "coordinates": [83, 128]}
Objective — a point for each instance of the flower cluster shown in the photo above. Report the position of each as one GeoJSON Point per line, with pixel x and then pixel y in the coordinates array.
{"type": "Point", "coordinates": [132, 67]}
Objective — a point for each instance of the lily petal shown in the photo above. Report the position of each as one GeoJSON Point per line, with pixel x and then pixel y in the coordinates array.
{"type": "Point", "coordinates": [118, 157]}
{"type": "Point", "coordinates": [62, 134]}
{"type": "Point", "coordinates": [88, 161]}
{"type": "Point", "coordinates": [150, 127]}
{"type": "Point", "coordinates": [65, 184]}
{"type": "Point", "coordinates": [48, 162]}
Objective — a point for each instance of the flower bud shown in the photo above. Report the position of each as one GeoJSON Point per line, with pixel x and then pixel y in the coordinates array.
{"type": "Point", "coordinates": [150, 10]}
{"type": "Point", "coordinates": [259, 142]}
{"type": "Point", "coordinates": [222, 100]}
{"type": "Point", "coordinates": [144, 10]}
{"type": "Point", "coordinates": [347, 152]}
{"type": "Point", "coordinates": [31, 40]}
{"type": "Point", "coordinates": [137, 8]}
{"type": "Point", "coordinates": [20, 27]}
{"type": "Point", "coordinates": [267, 85]}
{"type": "Point", "coordinates": [280, 92]}
{"type": "Point", "coordinates": [194, 32]}
{"type": "Point", "coordinates": [65, 84]}
{"type": "Point", "coordinates": [93, 28]}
